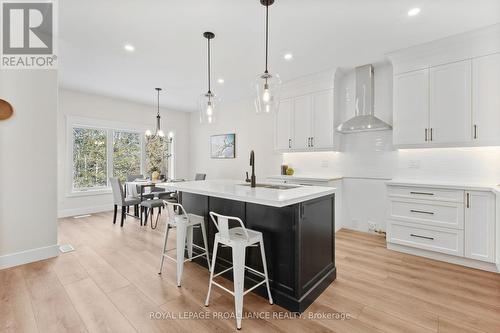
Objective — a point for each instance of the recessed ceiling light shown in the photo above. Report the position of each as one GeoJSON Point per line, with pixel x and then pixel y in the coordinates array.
{"type": "Point", "coordinates": [220, 80]}
{"type": "Point", "coordinates": [129, 48]}
{"type": "Point", "coordinates": [414, 11]}
{"type": "Point", "coordinates": [288, 56]}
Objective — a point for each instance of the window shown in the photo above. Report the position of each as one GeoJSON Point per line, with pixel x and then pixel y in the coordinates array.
{"type": "Point", "coordinates": [126, 154]}
{"type": "Point", "coordinates": [89, 158]}
{"type": "Point", "coordinates": [157, 154]}
{"type": "Point", "coordinates": [99, 149]}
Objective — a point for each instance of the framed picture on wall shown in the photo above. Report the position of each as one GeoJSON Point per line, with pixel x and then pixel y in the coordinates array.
{"type": "Point", "coordinates": [223, 146]}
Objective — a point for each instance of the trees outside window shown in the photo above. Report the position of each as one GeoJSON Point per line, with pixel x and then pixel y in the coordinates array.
{"type": "Point", "coordinates": [126, 154]}
{"type": "Point", "coordinates": [89, 158]}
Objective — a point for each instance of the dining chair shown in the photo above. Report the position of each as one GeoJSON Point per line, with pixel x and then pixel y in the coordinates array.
{"type": "Point", "coordinates": [119, 199]}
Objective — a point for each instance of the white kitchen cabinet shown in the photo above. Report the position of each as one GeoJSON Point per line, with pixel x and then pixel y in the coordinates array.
{"type": "Point", "coordinates": [284, 121]}
{"type": "Point", "coordinates": [411, 104]}
{"type": "Point", "coordinates": [486, 99]}
{"type": "Point", "coordinates": [322, 120]}
{"type": "Point", "coordinates": [426, 221]}
{"type": "Point", "coordinates": [306, 122]}
{"type": "Point", "coordinates": [302, 110]}
{"type": "Point", "coordinates": [450, 103]}
{"type": "Point", "coordinates": [480, 226]}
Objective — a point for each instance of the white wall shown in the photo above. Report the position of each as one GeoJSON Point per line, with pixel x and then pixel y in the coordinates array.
{"type": "Point", "coordinates": [252, 132]}
{"type": "Point", "coordinates": [371, 155]}
{"type": "Point", "coordinates": [28, 225]}
{"type": "Point", "coordinates": [73, 103]}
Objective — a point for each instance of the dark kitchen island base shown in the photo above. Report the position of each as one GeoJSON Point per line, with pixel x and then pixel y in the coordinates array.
{"type": "Point", "coordinates": [299, 241]}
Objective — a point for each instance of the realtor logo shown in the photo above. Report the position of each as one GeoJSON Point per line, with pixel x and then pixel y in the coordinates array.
{"type": "Point", "coordinates": [28, 35]}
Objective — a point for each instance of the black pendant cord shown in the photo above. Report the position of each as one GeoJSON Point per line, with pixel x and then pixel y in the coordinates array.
{"type": "Point", "coordinates": [158, 103]}
{"type": "Point", "coordinates": [209, 78]}
{"type": "Point", "coordinates": [267, 32]}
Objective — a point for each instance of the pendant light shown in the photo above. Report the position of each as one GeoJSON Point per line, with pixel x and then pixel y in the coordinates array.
{"type": "Point", "coordinates": [208, 101]}
{"type": "Point", "coordinates": [267, 85]}
{"type": "Point", "coordinates": [158, 131]}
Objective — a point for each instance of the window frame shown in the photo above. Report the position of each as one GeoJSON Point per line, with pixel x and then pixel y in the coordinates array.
{"type": "Point", "coordinates": [110, 127]}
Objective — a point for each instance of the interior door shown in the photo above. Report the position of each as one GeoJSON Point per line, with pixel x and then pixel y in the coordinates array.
{"type": "Point", "coordinates": [322, 122]}
{"type": "Point", "coordinates": [302, 114]}
{"type": "Point", "coordinates": [284, 125]}
{"type": "Point", "coordinates": [480, 226]}
{"type": "Point", "coordinates": [411, 107]}
{"type": "Point", "coordinates": [486, 99]}
{"type": "Point", "coordinates": [450, 102]}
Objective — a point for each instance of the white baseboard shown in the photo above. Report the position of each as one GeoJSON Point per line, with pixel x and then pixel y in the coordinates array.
{"type": "Point", "coordinates": [25, 257]}
{"type": "Point", "coordinates": [485, 266]}
{"type": "Point", "coordinates": [84, 210]}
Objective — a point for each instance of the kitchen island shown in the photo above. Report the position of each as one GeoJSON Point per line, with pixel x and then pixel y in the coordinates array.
{"type": "Point", "coordinates": [297, 223]}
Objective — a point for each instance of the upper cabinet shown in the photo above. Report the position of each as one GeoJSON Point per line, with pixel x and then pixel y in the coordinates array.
{"type": "Point", "coordinates": [450, 103]}
{"type": "Point", "coordinates": [446, 93]}
{"type": "Point", "coordinates": [411, 99]}
{"type": "Point", "coordinates": [486, 99]}
{"type": "Point", "coordinates": [305, 120]}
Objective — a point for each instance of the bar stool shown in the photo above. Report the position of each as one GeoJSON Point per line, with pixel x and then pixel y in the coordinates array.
{"type": "Point", "coordinates": [238, 238]}
{"type": "Point", "coordinates": [184, 223]}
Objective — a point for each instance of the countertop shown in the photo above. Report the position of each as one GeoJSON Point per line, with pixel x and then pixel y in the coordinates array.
{"type": "Point", "coordinates": [237, 190]}
{"type": "Point", "coordinates": [306, 178]}
{"type": "Point", "coordinates": [464, 185]}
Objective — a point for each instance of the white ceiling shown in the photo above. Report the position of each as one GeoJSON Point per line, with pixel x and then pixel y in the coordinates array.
{"type": "Point", "coordinates": [170, 51]}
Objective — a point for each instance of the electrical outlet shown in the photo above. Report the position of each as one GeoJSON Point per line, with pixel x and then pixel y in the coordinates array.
{"type": "Point", "coordinates": [414, 164]}
{"type": "Point", "coordinates": [372, 226]}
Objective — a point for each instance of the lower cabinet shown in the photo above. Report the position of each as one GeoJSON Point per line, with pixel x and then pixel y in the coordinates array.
{"type": "Point", "coordinates": [480, 226]}
{"type": "Point", "coordinates": [450, 221]}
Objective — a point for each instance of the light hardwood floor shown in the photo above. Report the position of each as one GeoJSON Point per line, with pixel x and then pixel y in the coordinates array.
{"type": "Point", "coordinates": [110, 284]}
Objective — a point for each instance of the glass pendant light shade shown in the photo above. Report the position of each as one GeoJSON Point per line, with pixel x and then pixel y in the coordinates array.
{"type": "Point", "coordinates": [267, 88]}
{"type": "Point", "coordinates": [208, 104]}
{"type": "Point", "coordinates": [267, 85]}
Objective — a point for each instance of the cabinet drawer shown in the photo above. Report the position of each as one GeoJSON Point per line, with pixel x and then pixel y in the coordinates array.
{"type": "Point", "coordinates": [449, 241]}
{"type": "Point", "coordinates": [434, 213]}
{"type": "Point", "coordinates": [426, 193]}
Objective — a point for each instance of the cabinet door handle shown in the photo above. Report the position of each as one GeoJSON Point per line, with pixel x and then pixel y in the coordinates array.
{"type": "Point", "coordinates": [425, 237]}
{"type": "Point", "coordinates": [422, 193]}
{"type": "Point", "coordinates": [421, 212]}
{"type": "Point", "coordinates": [475, 131]}
{"type": "Point", "coordinates": [289, 143]}
{"type": "Point", "coordinates": [426, 130]}
{"type": "Point", "coordinates": [431, 134]}
{"type": "Point", "coordinates": [468, 200]}
{"type": "Point", "coordinates": [312, 141]}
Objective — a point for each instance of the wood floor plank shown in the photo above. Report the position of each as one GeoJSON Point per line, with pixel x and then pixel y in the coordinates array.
{"type": "Point", "coordinates": [16, 312]}
{"type": "Point", "coordinates": [68, 268]}
{"type": "Point", "coordinates": [96, 310]}
{"type": "Point", "coordinates": [106, 277]}
{"type": "Point", "coordinates": [141, 311]}
{"type": "Point", "coordinates": [53, 309]}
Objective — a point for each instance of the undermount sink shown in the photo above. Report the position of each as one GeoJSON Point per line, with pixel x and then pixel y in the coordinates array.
{"type": "Point", "coordinates": [273, 186]}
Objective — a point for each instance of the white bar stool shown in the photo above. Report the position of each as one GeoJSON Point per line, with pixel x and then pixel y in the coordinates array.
{"type": "Point", "coordinates": [184, 223]}
{"type": "Point", "coordinates": [238, 239]}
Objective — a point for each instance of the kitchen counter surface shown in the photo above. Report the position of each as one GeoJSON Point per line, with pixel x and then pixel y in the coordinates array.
{"type": "Point", "coordinates": [306, 178]}
{"type": "Point", "coordinates": [241, 191]}
{"type": "Point", "coordinates": [447, 184]}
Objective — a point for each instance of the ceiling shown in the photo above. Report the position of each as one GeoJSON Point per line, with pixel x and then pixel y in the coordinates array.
{"type": "Point", "coordinates": [170, 51]}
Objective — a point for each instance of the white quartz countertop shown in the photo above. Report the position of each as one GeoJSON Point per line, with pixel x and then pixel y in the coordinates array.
{"type": "Point", "coordinates": [306, 177]}
{"type": "Point", "coordinates": [464, 185]}
{"type": "Point", "coordinates": [240, 191]}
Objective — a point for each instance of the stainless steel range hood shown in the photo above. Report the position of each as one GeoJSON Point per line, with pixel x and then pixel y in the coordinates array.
{"type": "Point", "coordinates": [364, 119]}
